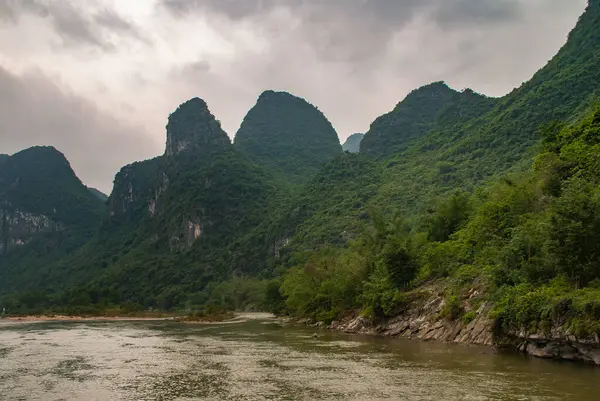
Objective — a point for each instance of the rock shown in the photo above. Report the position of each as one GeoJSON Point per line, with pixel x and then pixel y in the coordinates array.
{"type": "Point", "coordinates": [357, 325]}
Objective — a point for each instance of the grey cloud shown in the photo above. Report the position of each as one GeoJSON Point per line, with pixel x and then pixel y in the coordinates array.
{"type": "Point", "coordinates": [454, 13]}
{"type": "Point", "coordinates": [354, 31]}
{"type": "Point", "coordinates": [75, 25]}
{"type": "Point", "coordinates": [36, 111]}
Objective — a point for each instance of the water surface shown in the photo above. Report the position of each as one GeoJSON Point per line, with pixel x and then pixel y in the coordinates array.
{"type": "Point", "coordinates": [260, 359]}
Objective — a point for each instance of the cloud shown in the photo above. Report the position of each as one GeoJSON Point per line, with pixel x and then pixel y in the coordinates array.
{"type": "Point", "coordinates": [35, 110]}
{"type": "Point", "coordinates": [352, 30]}
{"type": "Point", "coordinates": [75, 25]}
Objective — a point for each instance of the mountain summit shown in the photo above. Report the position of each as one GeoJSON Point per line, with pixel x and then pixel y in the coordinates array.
{"type": "Point", "coordinates": [287, 136]}
{"type": "Point", "coordinates": [192, 126]}
{"type": "Point", "coordinates": [417, 115]}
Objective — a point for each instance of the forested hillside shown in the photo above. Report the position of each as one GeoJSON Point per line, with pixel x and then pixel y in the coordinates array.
{"type": "Point", "coordinates": [431, 107]}
{"type": "Point", "coordinates": [497, 196]}
{"type": "Point", "coordinates": [45, 214]}
{"type": "Point", "coordinates": [175, 224]}
{"type": "Point", "coordinates": [529, 243]}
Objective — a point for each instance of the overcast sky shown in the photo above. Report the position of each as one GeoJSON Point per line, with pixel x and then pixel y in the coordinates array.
{"type": "Point", "coordinates": [98, 78]}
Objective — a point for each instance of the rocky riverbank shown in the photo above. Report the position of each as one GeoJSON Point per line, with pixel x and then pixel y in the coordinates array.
{"type": "Point", "coordinates": [425, 319]}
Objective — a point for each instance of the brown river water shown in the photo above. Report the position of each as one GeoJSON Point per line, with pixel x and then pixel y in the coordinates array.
{"type": "Point", "coordinates": [257, 358]}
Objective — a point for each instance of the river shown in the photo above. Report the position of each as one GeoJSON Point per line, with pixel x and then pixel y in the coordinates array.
{"type": "Point", "coordinates": [257, 358]}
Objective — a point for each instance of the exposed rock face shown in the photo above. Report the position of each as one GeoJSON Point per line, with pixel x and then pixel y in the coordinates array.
{"type": "Point", "coordinates": [561, 349]}
{"type": "Point", "coordinates": [189, 231]}
{"type": "Point", "coordinates": [39, 193]}
{"type": "Point", "coordinates": [176, 200]}
{"type": "Point", "coordinates": [422, 321]}
{"type": "Point", "coordinates": [17, 228]}
{"type": "Point", "coordinates": [133, 187]}
{"type": "Point", "coordinates": [287, 136]}
{"type": "Point", "coordinates": [352, 143]}
{"type": "Point", "coordinates": [192, 127]}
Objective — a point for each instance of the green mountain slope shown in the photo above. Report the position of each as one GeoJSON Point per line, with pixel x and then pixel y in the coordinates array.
{"type": "Point", "coordinates": [467, 153]}
{"type": "Point", "coordinates": [444, 140]}
{"type": "Point", "coordinates": [175, 223]}
{"type": "Point", "coordinates": [287, 136]}
{"type": "Point", "coordinates": [423, 110]}
{"type": "Point", "coordinates": [45, 213]}
{"type": "Point", "coordinates": [352, 143]}
{"type": "Point", "coordinates": [522, 251]}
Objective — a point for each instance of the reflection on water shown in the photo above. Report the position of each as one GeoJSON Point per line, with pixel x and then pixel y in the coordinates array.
{"type": "Point", "coordinates": [259, 359]}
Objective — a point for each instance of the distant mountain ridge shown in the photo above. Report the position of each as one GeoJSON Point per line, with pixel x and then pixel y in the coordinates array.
{"type": "Point", "coordinates": [352, 143]}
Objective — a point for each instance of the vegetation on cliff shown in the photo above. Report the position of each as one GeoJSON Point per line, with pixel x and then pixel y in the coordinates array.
{"type": "Point", "coordinates": [529, 242]}
{"type": "Point", "coordinates": [46, 213]}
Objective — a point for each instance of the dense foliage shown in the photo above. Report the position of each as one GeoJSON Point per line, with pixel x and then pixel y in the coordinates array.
{"type": "Point", "coordinates": [530, 241]}
{"type": "Point", "coordinates": [287, 136]}
{"type": "Point", "coordinates": [434, 106]}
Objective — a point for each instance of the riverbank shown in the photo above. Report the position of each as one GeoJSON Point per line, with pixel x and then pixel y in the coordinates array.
{"type": "Point", "coordinates": [62, 318]}
{"type": "Point", "coordinates": [425, 318]}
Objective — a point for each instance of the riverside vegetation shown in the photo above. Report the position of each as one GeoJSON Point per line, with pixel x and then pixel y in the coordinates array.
{"type": "Point", "coordinates": [498, 197]}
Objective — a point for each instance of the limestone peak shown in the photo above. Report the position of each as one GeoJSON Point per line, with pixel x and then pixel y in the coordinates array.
{"type": "Point", "coordinates": [192, 127]}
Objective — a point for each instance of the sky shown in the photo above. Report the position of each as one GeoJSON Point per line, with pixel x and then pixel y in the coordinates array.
{"type": "Point", "coordinates": [97, 79]}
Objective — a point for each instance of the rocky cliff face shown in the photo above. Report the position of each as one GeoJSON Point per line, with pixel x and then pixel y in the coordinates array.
{"type": "Point", "coordinates": [193, 127]}
{"type": "Point", "coordinates": [39, 192]}
{"type": "Point", "coordinates": [186, 206]}
{"type": "Point", "coordinates": [423, 319]}
{"type": "Point", "coordinates": [17, 228]}
{"type": "Point", "coordinates": [133, 188]}
{"type": "Point", "coordinates": [352, 143]}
